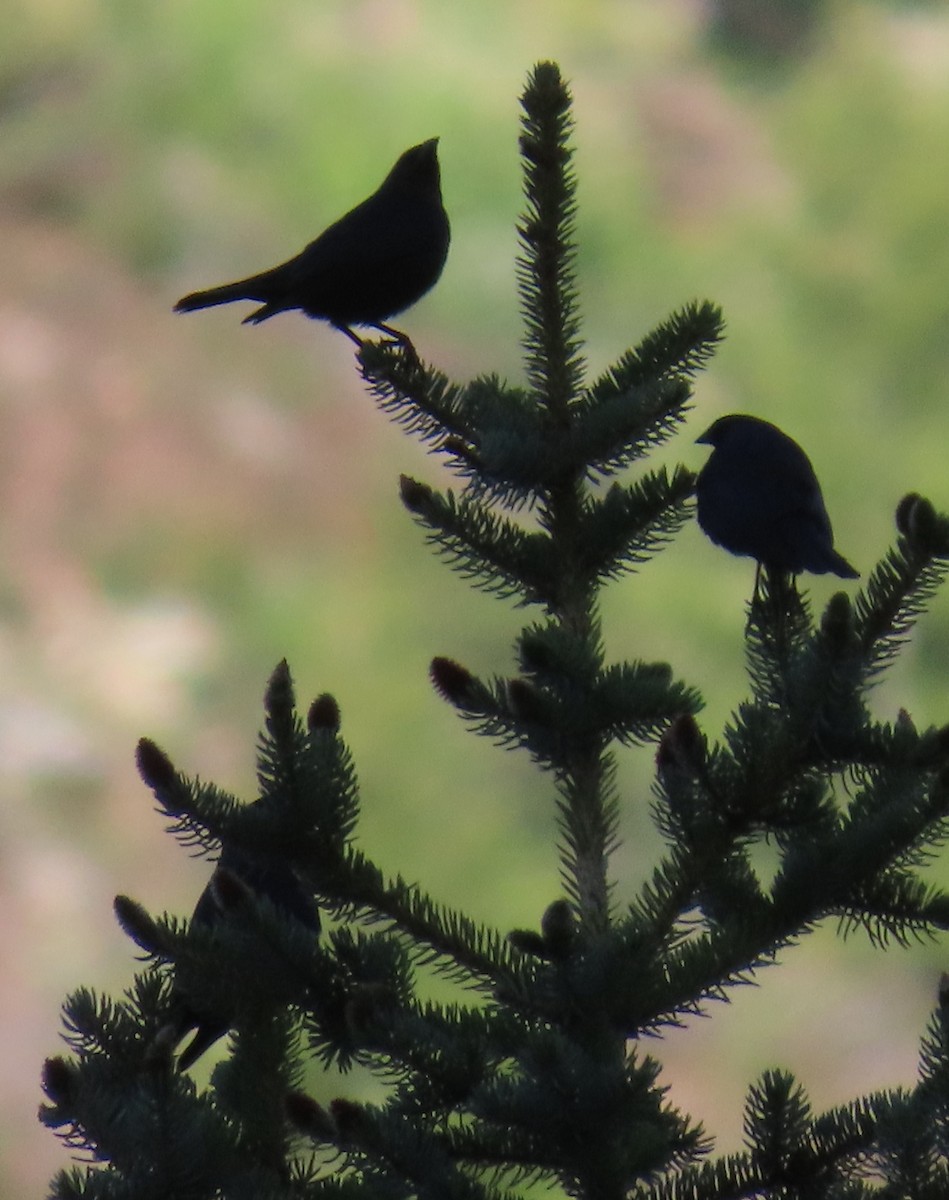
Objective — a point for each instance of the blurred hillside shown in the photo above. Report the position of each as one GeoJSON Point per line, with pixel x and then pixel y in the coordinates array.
{"type": "Point", "coordinates": [185, 501]}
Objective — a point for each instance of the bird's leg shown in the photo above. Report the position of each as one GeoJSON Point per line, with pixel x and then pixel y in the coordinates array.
{"type": "Point", "coordinates": [396, 334]}
{"type": "Point", "coordinates": [399, 339]}
{"type": "Point", "coordinates": [351, 334]}
{"type": "Point", "coordinates": [754, 604]}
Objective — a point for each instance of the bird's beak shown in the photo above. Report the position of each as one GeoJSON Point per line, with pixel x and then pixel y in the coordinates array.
{"type": "Point", "coordinates": [704, 440]}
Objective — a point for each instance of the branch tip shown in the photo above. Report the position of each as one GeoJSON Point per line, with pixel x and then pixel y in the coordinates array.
{"type": "Point", "coordinates": [451, 680]}
{"type": "Point", "coordinates": [323, 714]}
{"type": "Point", "coordinates": [414, 495]}
{"type": "Point", "coordinates": [154, 766]}
{"type": "Point", "coordinates": [278, 698]}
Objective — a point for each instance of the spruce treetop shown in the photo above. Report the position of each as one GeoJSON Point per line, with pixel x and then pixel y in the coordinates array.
{"type": "Point", "coordinates": [544, 1066]}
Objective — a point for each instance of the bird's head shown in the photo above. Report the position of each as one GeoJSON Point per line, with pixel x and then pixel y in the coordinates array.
{"type": "Point", "coordinates": [725, 428]}
{"type": "Point", "coordinates": [417, 168]}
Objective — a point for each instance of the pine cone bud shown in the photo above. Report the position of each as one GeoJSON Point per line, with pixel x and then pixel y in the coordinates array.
{"type": "Point", "coordinates": [526, 701]}
{"type": "Point", "coordinates": [138, 924]}
{"type": "Point", "coordinates": [415, 495]}
{"type": "Point", "coordinates": [460, 449]}
{"type": "Point", "coordinates": [278, 698]}
{"type": "Point", "coordinates": [154, 766]}
{"type": "Point", "coordinates": [59, 1081]}
{"type": "Point", "coordinates": [681, 747]}
{"type": "Point", "coordinates": [836, 622]}
{"type": "Point", "coordinates": [904, 513]}
{"type": "Point", "coordinates": [559, 928]}
{"type": "Point", "coordinates": [323, 714]}
{"type": "Point", "coordinates": [918, 521]}
{"type": "Point", "coordinates": [452, 680]}
{"type": "Point", "coordinates": [528, 941]}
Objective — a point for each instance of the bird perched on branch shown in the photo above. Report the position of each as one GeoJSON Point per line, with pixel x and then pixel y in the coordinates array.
{"type": "Point", "coordinates": [374, 262]}
{"type": "Point", "coordinates": [758, 496]}
{"type": "Point", "coordinates": [237, 879]}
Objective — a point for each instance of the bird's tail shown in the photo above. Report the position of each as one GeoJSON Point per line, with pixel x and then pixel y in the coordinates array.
{"type": "Point", "coordinates": [257, 287]}
{"type": "Point", "coordinates": [842, 568]}
{"type": "Point", "coordinates": [832, 563]}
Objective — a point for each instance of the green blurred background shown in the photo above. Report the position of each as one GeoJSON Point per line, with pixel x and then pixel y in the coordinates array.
{"type": "Point", "coordinates": [185, 501]}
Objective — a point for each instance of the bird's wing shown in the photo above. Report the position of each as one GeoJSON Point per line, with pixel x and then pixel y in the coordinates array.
{"type": "Point", "coordinates": [363, 240]}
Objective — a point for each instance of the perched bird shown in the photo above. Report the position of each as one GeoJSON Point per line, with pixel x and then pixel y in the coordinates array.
{"type": "Point", "coordinates": [758, 496]}
{"type": "Point", "coordinates": [374, 262]}
{"type": "Point", "coordinates": [237, 872]}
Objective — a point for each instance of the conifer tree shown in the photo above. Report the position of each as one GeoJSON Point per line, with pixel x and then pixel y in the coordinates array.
{"type": "Point", "coordinates": [304, 949]}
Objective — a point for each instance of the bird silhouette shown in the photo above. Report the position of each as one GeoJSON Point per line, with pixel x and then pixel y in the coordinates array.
{"type": "Point", "coordinates": [237, 872]}
{"type": "Point", "coordinates": [374, 262]}
{"type": "Point", "coordinates": [758, 496]}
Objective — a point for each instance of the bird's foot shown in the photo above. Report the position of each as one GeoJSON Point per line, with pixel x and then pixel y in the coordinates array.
{"type": "Point", "coordinates": [400, 339]}
{"type": "Point", "coordinates": [390, 331]}
{"type": "Point", "coordinates": [396, 338]}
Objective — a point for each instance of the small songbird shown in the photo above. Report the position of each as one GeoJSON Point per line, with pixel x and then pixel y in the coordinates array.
{"type": "Point", "coordinates": [374, 262]}
{"type": "Point", "coordinates": [237, 874]}
{"type": "Point", "coordinates": [758, 496]}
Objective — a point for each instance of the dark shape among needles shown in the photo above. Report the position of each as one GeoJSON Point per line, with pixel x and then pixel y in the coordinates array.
{"type": "Point", "coordinates": [236, 871]}
{"type": "Point", "coordinates": [758, 496]}
{"type": "Point", "coordinates": [374, 262]}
